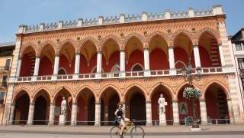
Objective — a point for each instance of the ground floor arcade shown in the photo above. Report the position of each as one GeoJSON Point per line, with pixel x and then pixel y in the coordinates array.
{"type": "Point", "coordinates": [96, 105]}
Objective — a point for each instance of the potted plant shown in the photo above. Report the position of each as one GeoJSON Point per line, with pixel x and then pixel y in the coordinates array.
{"type": "Point", "coordinates": [192, 94]}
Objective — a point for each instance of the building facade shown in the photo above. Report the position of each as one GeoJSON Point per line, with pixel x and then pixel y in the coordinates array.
{"type": "Point", "coordinates": [237, 42]}
{"type": "Point", "coordinates": [6, 50]}
{"type": "Point", "coordinates": [97, 63]}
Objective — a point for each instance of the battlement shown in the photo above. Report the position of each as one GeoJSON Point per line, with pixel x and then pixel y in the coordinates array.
{"type": "Point", "coordinates": [167, 15]}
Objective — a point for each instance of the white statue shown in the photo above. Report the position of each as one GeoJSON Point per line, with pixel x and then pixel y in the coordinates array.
{"type": "Point", "coordinates": [161, 103]}
{"type": "Point", "coordinates": [63, 106]}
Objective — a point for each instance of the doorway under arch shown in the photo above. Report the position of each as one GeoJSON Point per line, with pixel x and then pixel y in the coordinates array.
{"type": "Point", "coordinates": [135, 107]}
{"type": "Point", "coordinates": [21, 109]}
{"type": "Point", "coordinates": [216, 103]}
{"type": "Point", "coordinates": [109, 101]}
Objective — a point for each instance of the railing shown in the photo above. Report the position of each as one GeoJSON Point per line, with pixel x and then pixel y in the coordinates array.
{"type": "Point", "coordinates": [44, 78]}
{"type": "Point", "coordinates": [65, 77]}
{"type": "Point", "coordinates": [24, 79]}
{"type": "Point", "coordinates": [134, 74]}
{"type": "Point", "coordinates": [128, 74]}
{"type": "Point", "coordinates": [160, 72]}
{"type": "Point", "coordinates": [87, 76]}
{"type": "Point", "coordinates": [4, 68]}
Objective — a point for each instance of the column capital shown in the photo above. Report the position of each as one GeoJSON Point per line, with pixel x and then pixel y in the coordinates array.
{"type": "Point", "coordinates": [77, 53]}
{"type": "Point", "coordinates": [195, 46]}
{"type": "Point", "coordinates": [145, 45]}
{"type": "Point", "coordinates": [171, 47]}
{"type": "Point", "coordinates": [148, 101]}
{"type": "Point", "coordinates": [98, 102]}
{"type": "Point", "coordinates": [175, 101]}
{"type": "Point", "coordinates": [202, 100]}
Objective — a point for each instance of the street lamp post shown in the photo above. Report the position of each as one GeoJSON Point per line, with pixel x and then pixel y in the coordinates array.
{"type": "Point", "coordinates": [190, 92]}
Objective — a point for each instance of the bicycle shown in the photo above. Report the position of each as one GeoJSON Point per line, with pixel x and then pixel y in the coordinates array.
{"type": "Point", "coordinates": [131, 129]}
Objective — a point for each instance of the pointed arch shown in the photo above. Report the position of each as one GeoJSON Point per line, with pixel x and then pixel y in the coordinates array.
{"type": "Point", "coordinates": [38, 92]}
{"type": "Point", "coordinates": [214, 33]}
{"type": "Point", "coordinates": [184, 33]}
{"type": "Point", "coordinates": [130, 36]}
{"type": "Point", "coordinates": [45, 44]}
{"type": "Point", "coordinates": [19, 93]}
{"type": "Point", "coordinates": [159, 34]}
{"type": "Point", "coordinates": [70, 42]}
{"type": "Point", "coordinates": [113, 38]}
{"type": "Point", "coordinates": [28, 48]}
{"type": "Point", "coordinates": [178, 90]}
{"type": "Point", "coordinates": [168, 88]}
{"type": "Point", "coordinates": [110, 86]}
{"type": "Point", "coordinates": [225, 89]}
{"type": "Point", "coordinates": [60, 89]}
{"type": "Point", "coordinates": [137, 86]}
{"type": "Point", "coordinates": [88, 88]}
{"type": "Point", "coordinates": [86, 40]}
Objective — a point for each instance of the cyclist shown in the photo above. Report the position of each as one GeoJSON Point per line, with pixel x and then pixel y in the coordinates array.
{"type": "Point", "coordinates": [119, 113]}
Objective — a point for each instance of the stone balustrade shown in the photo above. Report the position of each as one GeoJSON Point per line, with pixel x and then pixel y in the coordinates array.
{"type": "Point", "coordinates": [215, 10]}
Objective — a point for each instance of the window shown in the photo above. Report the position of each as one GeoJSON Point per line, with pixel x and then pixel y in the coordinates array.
{"type": "Point", "coordinates": [7, 64]}
{"type": "Point", "coordinates": [238, 46]}
{"type": "Point", "coordinates": [241, 63]}
{"type": "Point", "coordinates": [4, 81]}
{"type": "Point", "coordinates": [2, 94]}
{"type": "Point", "coordinates": [242, 82]}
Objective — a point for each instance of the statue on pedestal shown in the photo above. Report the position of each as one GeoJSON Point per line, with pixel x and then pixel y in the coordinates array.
{"type": "Point", "coordinates": [62, 117]}
{"type": "Point", "coordinates": [63, 106]}
{"type": "Point", "coordinates": [161, 105]}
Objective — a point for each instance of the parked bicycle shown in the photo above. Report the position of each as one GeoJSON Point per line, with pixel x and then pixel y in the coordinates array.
{"type": "Point", "coordinates": [131, 129]}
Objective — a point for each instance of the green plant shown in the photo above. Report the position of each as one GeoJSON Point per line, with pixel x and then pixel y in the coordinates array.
{"type": "Point", "coordinates": [191, 92]}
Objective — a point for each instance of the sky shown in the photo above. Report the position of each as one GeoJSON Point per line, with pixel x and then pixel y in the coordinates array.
{"type": "Point", "coordinates": [32, 12]}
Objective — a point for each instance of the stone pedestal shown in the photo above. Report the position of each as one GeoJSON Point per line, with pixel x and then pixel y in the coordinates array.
{"type": "Point", "coordinates": [62, 120]}
{"type": "Point", "coordinates": [162, 119]}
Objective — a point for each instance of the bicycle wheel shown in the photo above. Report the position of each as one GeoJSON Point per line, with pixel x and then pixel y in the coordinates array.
{"type": "Point", "coordinates": [114, 132]}
{"type": "Point", "coordinates": [137, 132]}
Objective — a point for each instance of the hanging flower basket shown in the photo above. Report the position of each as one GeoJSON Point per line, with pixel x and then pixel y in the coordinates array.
{"type": "Point", "coordinates": [191, 93]}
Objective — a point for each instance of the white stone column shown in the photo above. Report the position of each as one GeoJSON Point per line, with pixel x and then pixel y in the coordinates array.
{"type": "Point", "coordinates": [18, 67]}
{"type": "Point", "coordinates": [97, 113]}
{"type": "Point", "coordinates": [197, 56]}
{"type": "Point", "coordinates": [146, 62]}
{"type": "Point", "coordinates": [149, 113]}
{"type": "Point", "coordinates": [176, 112]}
{"type": "Point", "coordinates": [77, 66]}
{"type": "Point", "coordinates": [221, 53]}
{"type": "Point", "coordinates": [122, 63]}
{"type": "Point", "coordinates": [74, 114]}
{"type": "Point", "coordinates": [55, 68]}
{"type": "Point", "coordinates": [232, 121]}
{"type": "Point", "coordinates": [99, 64]}
{"type": "Point", "coordinates": [36, 70]}
{"type": "Point", "coordinates": [31, 114]}
{"type": "Point", "coordinates": [203, 110]}
{"type": "Point", "coordinates": [171, 60]}
{"type": "Point", "coordinates": [51, 114]}
{"type": "Point", "coordinates": [12, 114]}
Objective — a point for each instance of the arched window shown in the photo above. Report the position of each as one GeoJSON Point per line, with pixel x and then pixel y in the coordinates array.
{"type": "Point", "coordinates": [137, 67]}
{"type": "Point", "coordinates": [61, 71]}
{"type": "Point", "coordinates": [115, 68]}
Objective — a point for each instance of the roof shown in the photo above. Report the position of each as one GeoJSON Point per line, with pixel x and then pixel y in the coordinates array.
{"type": "Point", "coordinates": [7, 44]}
